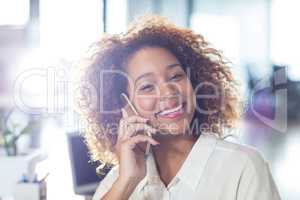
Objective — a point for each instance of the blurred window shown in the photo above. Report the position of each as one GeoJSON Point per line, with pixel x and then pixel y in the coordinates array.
{"type": "Point", "coordinates": [14, 12]}
{"type": "Point", "coordinates": [285, 36]}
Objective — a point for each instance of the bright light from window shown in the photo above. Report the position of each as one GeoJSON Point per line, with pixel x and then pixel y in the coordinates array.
{"type": "Point", "coordinates": [222, 31]}
{"type": "Point", "coordinates": [68, 27]}
{"type": "Point", "coordinates": [116, 8]}
{"type": "Point", "coordinates": [14, 12]}
{"type": "Point", "coordinates": [285, 33]}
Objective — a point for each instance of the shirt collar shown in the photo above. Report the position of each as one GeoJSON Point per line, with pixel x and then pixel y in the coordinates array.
{"type": "Point", "coordinates": [193, 167]}
{"type": "Point", "coordinates": [152, 176]}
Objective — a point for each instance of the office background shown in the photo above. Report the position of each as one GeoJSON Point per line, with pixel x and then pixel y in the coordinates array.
{"type": "Point", "coordinates": [44, 39]}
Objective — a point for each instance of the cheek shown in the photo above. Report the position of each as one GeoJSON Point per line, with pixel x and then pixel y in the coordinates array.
{"type": "Point", "coordinates": [191, 98]}
{"type": "Point", "coordinates": [146, 104]}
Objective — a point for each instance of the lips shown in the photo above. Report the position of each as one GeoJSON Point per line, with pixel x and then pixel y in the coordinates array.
{"type": "Point", "coordinates": [172, 112]}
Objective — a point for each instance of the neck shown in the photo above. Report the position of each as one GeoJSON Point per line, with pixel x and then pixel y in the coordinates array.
{"type": "Point", "coordinates": [179, 145]}
{"type": "Point", "coordinates": [171, 153]}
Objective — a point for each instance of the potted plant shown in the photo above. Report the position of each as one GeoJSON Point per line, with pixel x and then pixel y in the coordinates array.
{"type": "Point", "coordinates": [15, 160]}
{"type": "Point", "coordinates": [11, 130]}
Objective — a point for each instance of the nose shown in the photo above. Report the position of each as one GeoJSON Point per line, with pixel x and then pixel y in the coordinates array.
{"type": "Point", "coordinates": [168, 91]}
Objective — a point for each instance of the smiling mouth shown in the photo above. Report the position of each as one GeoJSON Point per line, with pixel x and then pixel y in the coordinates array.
{"type": "Point", "coordinates": [171, 113]}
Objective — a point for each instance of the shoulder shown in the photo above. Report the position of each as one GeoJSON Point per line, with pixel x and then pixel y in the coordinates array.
{"type": "Point", "coordinates": [106, 183]}
{"type": "Point", "coordinates": [254, 177]}
{"type": "Point", "coordinates": [112, 174]}
{"type": "Point", "coordinates": [240, 153]}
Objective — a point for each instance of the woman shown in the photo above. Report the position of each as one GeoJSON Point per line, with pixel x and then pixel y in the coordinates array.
{"type": "Point", "coordinates": [184, 95]}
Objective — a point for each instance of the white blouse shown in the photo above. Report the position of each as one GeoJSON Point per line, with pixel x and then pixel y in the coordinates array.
{"type": "Point", "coordinates": [214, 169]}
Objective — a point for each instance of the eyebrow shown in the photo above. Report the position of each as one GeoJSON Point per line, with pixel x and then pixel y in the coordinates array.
{"type": "Point", "coordinates": [171, 66]}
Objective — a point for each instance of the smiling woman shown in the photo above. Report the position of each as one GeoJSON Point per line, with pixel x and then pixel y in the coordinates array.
{"type": "Point", "coordinates": [184, 95]}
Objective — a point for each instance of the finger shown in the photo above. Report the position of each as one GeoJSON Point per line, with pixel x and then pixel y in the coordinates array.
{"type": "Point", "coordinates": [125, 123]}
{"type": "Point", "coordinates": [144, 127]}
{"type": "Point", "coordinates": [136, 119]}
{"type": "Point", "coordinates": [132, 142]}
{"type": "Point", "coordinates": [124, 113]}
{"type": "Point", "coordinates": [122, 128]}
{"type": "Point", "coordinates": [133, 129]}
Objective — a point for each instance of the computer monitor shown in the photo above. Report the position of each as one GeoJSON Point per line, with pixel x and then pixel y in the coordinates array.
{"type": "Point", "coordinates": [85, 179]}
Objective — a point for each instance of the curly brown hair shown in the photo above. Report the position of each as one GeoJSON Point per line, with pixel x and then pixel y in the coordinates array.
{"type": "Point", "coordinates": [205, 63]}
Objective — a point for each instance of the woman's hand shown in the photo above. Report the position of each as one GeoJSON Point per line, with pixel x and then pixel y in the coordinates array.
{"type": "Point", "coordinates": [131, 147]}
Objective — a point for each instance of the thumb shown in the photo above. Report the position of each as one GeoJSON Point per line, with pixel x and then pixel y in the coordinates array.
{"type": "Point", "coordinates": [124, 113]}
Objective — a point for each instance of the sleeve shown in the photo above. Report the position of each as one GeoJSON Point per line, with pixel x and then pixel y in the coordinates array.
{"type": "Point", "coordinates": [106, 183]}
{"type": "Point", "coordinates": [256, 181]}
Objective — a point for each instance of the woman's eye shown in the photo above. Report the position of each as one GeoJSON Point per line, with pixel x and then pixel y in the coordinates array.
{"type": "Point", "coordinates": [146, 88]}
{"type": "Point", "coordinates": [176, 77]}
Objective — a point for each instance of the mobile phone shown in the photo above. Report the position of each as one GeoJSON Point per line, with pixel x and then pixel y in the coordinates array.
{"type": "Point", "coordinates": [130, 103]}
{"type": "Point", "coordinates": [135, 112]}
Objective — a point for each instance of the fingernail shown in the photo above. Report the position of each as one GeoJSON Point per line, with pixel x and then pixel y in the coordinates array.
{"type": "Point", "coordinates": [154, 130]}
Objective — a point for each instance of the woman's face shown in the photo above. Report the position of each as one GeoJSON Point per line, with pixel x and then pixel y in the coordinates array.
{"type": "Point", "coordinates": [160, 89]}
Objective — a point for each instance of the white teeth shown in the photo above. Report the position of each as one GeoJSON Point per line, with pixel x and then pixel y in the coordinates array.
{"type": "Point", "coordinates": [165, 112]}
